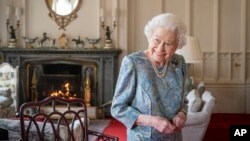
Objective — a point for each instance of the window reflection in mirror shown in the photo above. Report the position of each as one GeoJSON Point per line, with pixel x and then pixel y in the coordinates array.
{"type": "Point", "coordinates": [63, 11]}
{"type": "Point", "coordinates": [63, 7]}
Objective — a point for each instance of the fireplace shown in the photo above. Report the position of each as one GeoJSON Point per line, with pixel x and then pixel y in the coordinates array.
{"type": "Point", "coordinates": [62, 77]}
{"type": "Point", "coordinates": [43, 71]}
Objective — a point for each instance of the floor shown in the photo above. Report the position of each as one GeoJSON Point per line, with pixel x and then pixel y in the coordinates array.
{"type": "Point", "coordinates": [218, 129]}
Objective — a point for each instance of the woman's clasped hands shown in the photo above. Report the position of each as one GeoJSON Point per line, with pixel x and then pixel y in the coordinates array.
{"type": "Point", "coordinates": [165, 126]}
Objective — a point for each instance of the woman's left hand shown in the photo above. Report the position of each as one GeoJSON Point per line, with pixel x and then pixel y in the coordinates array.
{"type": "Point", "coordinates": [179, 121]}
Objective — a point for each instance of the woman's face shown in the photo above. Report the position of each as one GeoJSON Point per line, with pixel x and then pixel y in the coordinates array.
{"type": "Point", "coordinates": [162, 45]}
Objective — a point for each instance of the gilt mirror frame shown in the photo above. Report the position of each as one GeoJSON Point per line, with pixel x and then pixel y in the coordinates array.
{"type": "Point", "coordinates": [63, 20]}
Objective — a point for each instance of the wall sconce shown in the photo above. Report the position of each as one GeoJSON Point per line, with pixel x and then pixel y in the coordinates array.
{"type": "Point", "coordinates": [108, 40]}
{"type": "Point", "coordinates": [192, 54]}
{"type": "Point", "coordinates": [11, 30]}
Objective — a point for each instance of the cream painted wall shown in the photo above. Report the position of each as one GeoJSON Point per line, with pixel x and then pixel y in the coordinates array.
{"type": "Point", "coordinates": [35, 21]}
{"type": "Point", "coordinates": [222, 27]}
{"type": "Point", "coordinates": [86, 24]}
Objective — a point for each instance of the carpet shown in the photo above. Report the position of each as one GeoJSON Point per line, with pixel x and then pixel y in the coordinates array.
{"type": "Point", "coordinates": [218, 128]}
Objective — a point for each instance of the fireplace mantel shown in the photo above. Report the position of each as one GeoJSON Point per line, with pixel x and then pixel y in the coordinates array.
{"type": "Point", "coordinates": [106, 60]}
{"type": "Point", "coordinates": [9, 52]}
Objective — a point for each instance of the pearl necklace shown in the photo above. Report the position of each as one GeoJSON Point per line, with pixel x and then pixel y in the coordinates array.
{"type": "Point", "coordinates": [162, 73]}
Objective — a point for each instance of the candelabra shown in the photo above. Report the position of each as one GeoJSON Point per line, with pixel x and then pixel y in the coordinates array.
{"type": "Point", "coordinates": [11, 30]}
{"type": "Point", "coordinates": [108, 30]}
{"type": "Point", "coordinates": [108, 41]}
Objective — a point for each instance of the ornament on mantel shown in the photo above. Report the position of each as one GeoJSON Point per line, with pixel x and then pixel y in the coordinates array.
{"type": "Point", "coordinates": [63, 41]}
{"type": "Point", "coordinates": [29, 41]}
{"type": "Point", "coordinates": [93, 41]}
{"type": "Point", "coordinates": [79, 41]}
{"type": "Point", "coordinates": [44, 39]}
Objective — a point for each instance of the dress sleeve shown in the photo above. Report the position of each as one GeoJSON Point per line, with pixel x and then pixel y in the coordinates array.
{"type": "Point", "coordinates": [121, 108]}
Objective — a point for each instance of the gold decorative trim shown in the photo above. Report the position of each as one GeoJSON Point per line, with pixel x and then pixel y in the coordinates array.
{"type": "Point", "coordinates": [63, 21]}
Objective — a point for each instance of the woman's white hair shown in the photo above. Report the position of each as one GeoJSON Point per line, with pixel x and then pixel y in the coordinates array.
{"type": "Point", "coordinates": [170, 21]}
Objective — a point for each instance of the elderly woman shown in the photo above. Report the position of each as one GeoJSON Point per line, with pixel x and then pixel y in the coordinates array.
{"type": "Point", "coordinates": [149, 97]}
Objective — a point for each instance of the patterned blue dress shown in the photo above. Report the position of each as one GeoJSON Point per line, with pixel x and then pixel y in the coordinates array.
{"type": "Point", "coordinates": [140, 91]}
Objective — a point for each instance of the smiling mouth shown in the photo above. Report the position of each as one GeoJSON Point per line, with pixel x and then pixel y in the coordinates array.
{"type": "Point", "coordinates": [159, 54]}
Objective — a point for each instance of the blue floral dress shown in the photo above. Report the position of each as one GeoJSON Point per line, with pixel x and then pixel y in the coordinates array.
{"type": "Point", "coordinates": [140, 91]}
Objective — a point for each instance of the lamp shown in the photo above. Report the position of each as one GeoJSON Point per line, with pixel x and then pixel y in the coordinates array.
{"type": "Point", "coordinates": [192, 54]}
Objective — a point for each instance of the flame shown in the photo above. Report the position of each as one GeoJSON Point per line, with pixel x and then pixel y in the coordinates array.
{"type": "Point", "coordinates": [65, 94]}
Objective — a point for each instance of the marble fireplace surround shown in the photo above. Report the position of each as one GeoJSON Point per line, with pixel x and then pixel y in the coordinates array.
{"type": "Point", "coordinates": [105, 61]}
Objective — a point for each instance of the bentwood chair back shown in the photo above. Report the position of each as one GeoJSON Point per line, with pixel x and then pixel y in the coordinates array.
{"type": "Point", "coordinates": [58, 119]}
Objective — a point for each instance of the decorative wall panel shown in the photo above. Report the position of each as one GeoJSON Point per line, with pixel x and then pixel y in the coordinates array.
{"type": "Point", "coordinates": [178, 7]}
{"type": "Point", "coordinates": [139, 18]}
{"type": "Point", "coordinates": [202, 15]}
{"type": "Point", "coordinates": [230, 25]}
{"type": "Point", "coordinates": [210, 67]}
{"type": "Point", "coordinates": [237, 67]}
{"type": "Point", "coordinates": [247, 26]}
{"type": "Point", "coordinates": [224, 67]}
{"type": "Point", "coordinates": [247, 98]}
{"type": "Point", "coordinates": [248, 68]}
{"type": "Point", "coordinates": [229, 99]}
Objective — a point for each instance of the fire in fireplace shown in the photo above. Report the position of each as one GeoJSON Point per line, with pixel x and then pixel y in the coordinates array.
{"type": "Point", "coordinates": [67, 79]}
{"type": "Point", "coordinates": [65, 93]}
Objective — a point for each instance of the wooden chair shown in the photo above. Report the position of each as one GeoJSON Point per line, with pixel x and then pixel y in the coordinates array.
{"type": "Point", "coordinates": [65, 125]}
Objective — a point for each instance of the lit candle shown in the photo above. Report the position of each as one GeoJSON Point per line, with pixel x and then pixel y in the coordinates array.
{"type": "Point", "coordinates": [18, 12]}
{"type": "Point", "coordinates": [8, 12]}
{"type": "Point", "coordinates": [102, 14]}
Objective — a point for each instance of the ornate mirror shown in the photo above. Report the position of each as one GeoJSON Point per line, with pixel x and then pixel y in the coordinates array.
{"type": "Point", "coordinates": [63, 11]}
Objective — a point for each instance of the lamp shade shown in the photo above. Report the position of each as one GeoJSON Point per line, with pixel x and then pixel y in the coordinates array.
{"type": "Point", "coordinates": [191, 51]}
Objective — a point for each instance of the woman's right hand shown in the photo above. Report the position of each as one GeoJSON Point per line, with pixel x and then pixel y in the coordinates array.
{"type": "Point", "coordinates": [162, 125]}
